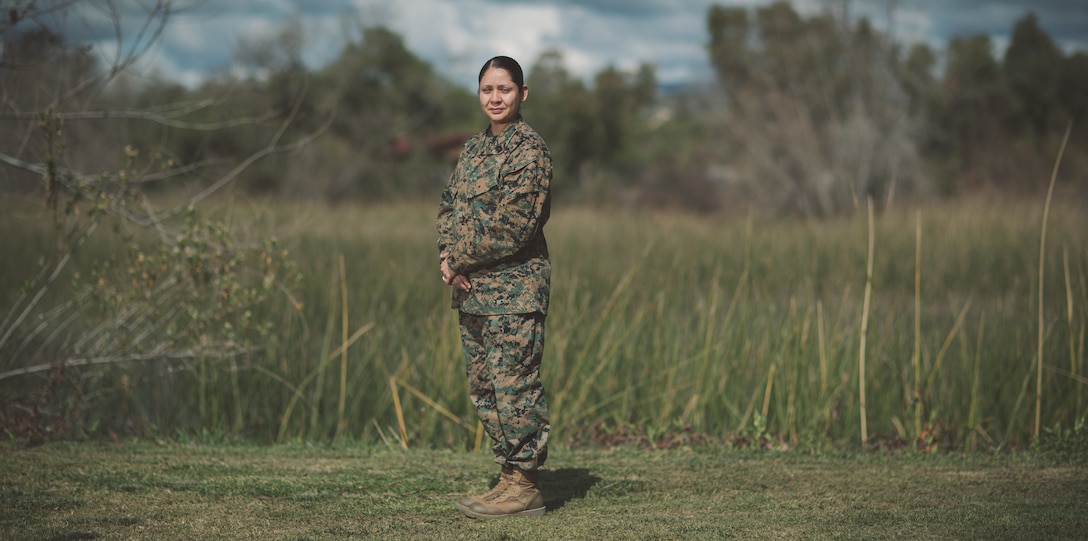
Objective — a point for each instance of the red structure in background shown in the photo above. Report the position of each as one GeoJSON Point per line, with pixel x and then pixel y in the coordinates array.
{"type": "Point", "coordinates": [445, 147]}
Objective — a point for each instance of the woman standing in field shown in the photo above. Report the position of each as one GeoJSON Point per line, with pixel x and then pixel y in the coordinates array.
{"type": "Point", "coordinates": [493, 253]}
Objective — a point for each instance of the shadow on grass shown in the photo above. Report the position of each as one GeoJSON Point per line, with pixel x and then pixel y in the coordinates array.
{"type": "Point", "coordinates": [563, 485]}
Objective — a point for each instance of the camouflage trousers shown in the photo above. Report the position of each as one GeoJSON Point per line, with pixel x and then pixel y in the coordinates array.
{"type": "Point", "coordinates": [502, 360]}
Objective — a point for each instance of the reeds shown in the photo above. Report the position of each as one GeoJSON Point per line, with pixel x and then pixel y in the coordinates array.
{"type": "Point", "coordinates": [1042, 282]}
{"type": "Point", "coordinates": [864, 333]}
{"type": "Point", "coordinates": [662, 324]}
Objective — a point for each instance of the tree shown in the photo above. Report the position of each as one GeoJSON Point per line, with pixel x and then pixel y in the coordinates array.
{"type": "Point", "coordinates": [730, 34]}
{"type": "Point", "coordinates": [918, 76]}
{"type": "Point", "coordinates": [385, 96]}
{"type": "Point", "coordinates": [622, 100]}
{"type": "Point", "coordinates": [598, 133]}
{"type": "Point", "coordinates": [1073, 88]}
{"type": "Point", "coordinates": [975, 107]}
{"type": "Point", "coordinates": [561, 109]}
{"type": "Point", "coordinates": [1033, 68]}
{"type": "Point", "coordinates": [817, 108]}
{"type": "Point", "coordinates": [181, 289]}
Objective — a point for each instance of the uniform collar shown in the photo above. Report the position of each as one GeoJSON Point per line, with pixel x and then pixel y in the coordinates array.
{"type": "Point", "coordinates": [510, 138]}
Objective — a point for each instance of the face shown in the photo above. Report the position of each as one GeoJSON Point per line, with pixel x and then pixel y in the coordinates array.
{"type": "Point", "coordinates": [500, 98]}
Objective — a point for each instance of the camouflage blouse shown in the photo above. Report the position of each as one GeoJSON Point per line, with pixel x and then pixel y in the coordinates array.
{"type": "Point", "coordinates": [491, 222]}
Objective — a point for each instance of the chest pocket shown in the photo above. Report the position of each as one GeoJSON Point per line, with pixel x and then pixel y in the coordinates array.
{"type": "Point", "coordinates": [498, 175]}
{"type": "Point", "coordinates": [487, 177]}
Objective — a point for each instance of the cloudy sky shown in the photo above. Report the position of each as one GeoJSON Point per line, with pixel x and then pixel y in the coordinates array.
{"type": "Point", "coordinates": [456, 36]}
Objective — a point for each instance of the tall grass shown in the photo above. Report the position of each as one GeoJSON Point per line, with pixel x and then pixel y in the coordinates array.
{"type": "Point", "coordinates": [1042, 283]}
{"type": "Point", "coordinates": [660, 324]}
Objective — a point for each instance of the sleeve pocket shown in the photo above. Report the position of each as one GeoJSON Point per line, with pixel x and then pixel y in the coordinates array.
{"type": "Point", "coordinates": [522, 177]}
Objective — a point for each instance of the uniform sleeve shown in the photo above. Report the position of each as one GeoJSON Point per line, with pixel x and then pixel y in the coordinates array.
{"type": "Point", "coordinates": [521, 208]}
{"type": "Point", "coordinates": [444, 222]}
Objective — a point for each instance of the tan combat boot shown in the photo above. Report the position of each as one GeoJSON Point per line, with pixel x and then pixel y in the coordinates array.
{"type": "Point", "coordinates": [504, 480]}
{"type": "Point", "coordinates": [521, 498]}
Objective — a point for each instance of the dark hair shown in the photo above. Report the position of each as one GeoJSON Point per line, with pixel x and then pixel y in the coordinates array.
{"type": "Point", "coordinates": [508, 64]}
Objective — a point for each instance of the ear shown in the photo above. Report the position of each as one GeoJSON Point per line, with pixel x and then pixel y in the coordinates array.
{"type": "Point", "coordinates": [524, 92]}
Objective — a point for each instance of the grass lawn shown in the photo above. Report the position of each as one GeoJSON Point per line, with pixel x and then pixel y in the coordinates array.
{"type": "Point", "coordinates": [292, 492]}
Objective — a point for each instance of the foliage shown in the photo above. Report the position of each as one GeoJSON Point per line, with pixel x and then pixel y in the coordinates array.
{"type": "Point", "coordinates": [996, 123]}
{"type": "Point", "coordinates": [816, 109]}
{"type": "Point", "coordinates": [1065, 444]}
{"type": "Point", "coordinates": [664, 328]}
{"type": "Point", "coordinates": [558, 107]}
{"type": "Point", "coordinates": [812, 115]}
{"type": "Point", "coordinates": [828, 111]}
{"type": "Point", "coordinates": [596, 134]}
{"type": "Point", "coordinates": [1033, 69]}
{"type": "Point", "coordinates": [141, 303]}
{"type": "Point", "coordinates": [131, 308]}
{"type": "Point", "coordinates": [166, 289]}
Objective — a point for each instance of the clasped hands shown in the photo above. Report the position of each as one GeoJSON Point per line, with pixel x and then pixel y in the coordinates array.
{"type": "Point", "coordinates": [451, 278]}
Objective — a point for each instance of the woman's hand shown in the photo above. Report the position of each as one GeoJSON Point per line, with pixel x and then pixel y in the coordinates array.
{"type": "Point", "coordinates": [450, 278]}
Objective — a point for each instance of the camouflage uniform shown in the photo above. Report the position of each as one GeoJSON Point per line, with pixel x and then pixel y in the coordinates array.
{"type": "Point", "coordinates": [491, 223]}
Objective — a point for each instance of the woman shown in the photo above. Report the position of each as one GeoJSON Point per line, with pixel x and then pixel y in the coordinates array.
{"type": "Point", "coordinates": [493, 254]}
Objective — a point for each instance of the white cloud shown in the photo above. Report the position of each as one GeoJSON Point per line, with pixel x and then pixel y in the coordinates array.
{"type": "Point", "coordinates": [456, 36]}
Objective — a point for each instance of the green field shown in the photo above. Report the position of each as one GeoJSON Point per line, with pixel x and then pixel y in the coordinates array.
{"type": "Point", "coordinates": [307, 492]}
{"type": "Point", "coordinates": [666, 329]}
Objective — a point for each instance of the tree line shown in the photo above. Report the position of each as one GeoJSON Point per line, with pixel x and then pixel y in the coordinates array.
{"type": "Point", "coordinates": [826, 111]}
{"type": "Point", "coordinates": [809, 116]}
